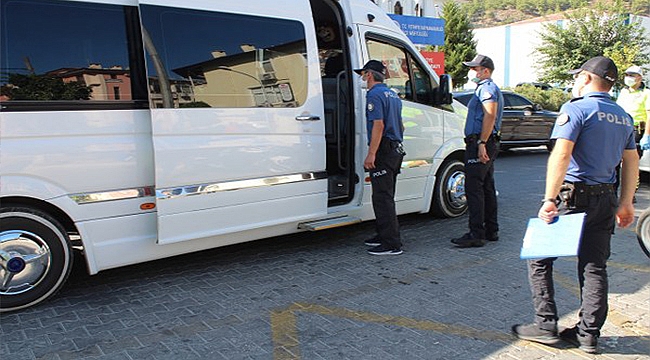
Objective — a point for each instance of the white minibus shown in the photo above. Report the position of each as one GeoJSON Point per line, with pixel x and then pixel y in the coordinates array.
{"type": "Point", "coordinates": [133, 130]}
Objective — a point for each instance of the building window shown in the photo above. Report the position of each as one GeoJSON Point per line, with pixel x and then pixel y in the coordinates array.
{"type": "Point", "coordinates": [399, 10]}
{"type": "Point", "coordinates": [116, 93]}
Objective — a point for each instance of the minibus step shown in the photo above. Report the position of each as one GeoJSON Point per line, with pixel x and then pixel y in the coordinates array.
{"type": "Point", "coordinates": [328, 223]}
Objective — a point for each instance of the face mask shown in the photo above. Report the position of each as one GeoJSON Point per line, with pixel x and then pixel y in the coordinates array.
{"type": "Point", "coordinates": [472, 75]}
{"type": "Point", "coordinates": [364, 82]}
{"type": "Point", "coordinates": [575, 92]}
{"type": "Point", "coordinates": [629, 80]}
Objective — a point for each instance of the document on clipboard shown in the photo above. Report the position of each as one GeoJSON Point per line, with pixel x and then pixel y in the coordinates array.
{"type": "Point", "coordinates": [561, 238]}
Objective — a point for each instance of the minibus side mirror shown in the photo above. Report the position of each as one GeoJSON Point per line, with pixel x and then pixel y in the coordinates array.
{"type": "Point", "coordinates": [442, 94]}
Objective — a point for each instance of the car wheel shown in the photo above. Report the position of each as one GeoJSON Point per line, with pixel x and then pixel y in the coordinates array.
{"type": "Point", "coordinates": [35, 257]}
{"type": "Point", "coordinates": [449, 198]}
{"type": "Point", "coordinates": [643, 231]}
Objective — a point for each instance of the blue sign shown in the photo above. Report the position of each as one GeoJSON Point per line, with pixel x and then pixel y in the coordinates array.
{"type": "Point", "coordinates": [422, 30]}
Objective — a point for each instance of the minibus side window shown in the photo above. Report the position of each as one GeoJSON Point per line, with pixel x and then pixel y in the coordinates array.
{"type": "Point", "coordinates": [201, 58]}
{"type": "Point", "coordinates": [63, 52]}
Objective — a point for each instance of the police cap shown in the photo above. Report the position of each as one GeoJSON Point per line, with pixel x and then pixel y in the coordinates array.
{"type": "Point", "coordinates": [374, 65]}
{"type": "Point", "coordinates": [601, 66]}
{"type": "Point", "coordinates": [480, 60]}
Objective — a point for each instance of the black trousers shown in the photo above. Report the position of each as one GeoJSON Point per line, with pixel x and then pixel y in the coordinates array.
{"type": "Point", "coordinates": [593, 253]}
{"type": "Point", "coordinates": [383, 178]}
{"type": "Point", "coordinates": [480, 190]}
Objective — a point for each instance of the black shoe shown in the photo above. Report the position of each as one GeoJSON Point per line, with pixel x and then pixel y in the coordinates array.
{"type": "Point", "coordinates": [382, 250]}
{"type": "Point", "coordinates": [492, 237]}
{"type": "Point", "coordinates": [372, 242]}
{"type": "Point", "coordinates": [586, 343]}
{"type": "Point", "coordinates": [534, 333]}
{"type": "Point", "coordinates": [467, 240]}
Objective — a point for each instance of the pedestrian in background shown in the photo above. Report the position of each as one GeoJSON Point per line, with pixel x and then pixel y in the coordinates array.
{"type": "Point", "coordinates": [484, 113]}
{"type": "Point", "coordinates": [593, 134]}
{"type": "Point", "coordinates": [385, 154]}
{"type": "Point", "coordinates": [635, 100]}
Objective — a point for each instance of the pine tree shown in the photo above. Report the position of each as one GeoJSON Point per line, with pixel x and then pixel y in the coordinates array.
{"type": "Point", "coordinates": [459, 42]}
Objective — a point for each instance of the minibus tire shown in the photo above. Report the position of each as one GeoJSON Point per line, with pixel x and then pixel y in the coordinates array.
{"type": "Point", "coordinates": [643, 231]}
{"type": "Point", "coordinates": [37, 248]}
{"type": "Point", "coordinates": [449, 198]}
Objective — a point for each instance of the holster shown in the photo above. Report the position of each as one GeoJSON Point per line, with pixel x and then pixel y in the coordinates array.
{"type": "Point", "coordinates": [576, 195]}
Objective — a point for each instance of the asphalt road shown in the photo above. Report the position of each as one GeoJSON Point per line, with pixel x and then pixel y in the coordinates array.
{"type": "Point", "coordinates": [320, 296]}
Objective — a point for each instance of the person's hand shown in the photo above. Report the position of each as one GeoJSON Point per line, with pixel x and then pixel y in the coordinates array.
{"type": "Point", "coordinates": [482, 154]}
{"type": "Point", "coordinates": [644, 143]}
{"type": "Point", "coordinates": [625, 215]}
{"type": "Point", "coordinates": [369, 163]}
{"type": "Point", "coordinates": [548, 212]}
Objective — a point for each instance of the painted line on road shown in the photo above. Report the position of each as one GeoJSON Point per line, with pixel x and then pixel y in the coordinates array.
{"type": "Point", "coordinates": [286, 344]}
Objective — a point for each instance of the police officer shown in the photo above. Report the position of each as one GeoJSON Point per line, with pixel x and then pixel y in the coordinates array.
{"type": "Point", "coordinates": [385, 154]}
{"type": "Point", "coordinates": [635, 99]}
{"type": "Point", "coordinates": [593, 134]}
{"type": "Point", "coordinates": [484, 113]}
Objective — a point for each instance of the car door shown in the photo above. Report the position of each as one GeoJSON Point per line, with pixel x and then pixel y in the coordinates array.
{"type": "Point", "coordinates": [236, 116]}
{"type": "Point", "coordinates": [525, 121]}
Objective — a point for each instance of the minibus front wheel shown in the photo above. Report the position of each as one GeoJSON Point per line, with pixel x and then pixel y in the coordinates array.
{"type": "Point", "coordinates": [35, 257]}
{"type": "Point", "coordinates": [449, 198]}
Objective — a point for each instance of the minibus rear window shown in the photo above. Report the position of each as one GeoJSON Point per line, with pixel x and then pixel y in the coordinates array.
{"type": "Point", "coordinates": [59, 52]}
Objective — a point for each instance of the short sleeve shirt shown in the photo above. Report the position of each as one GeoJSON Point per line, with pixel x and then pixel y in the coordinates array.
{"type": "Point", "coordinates": [486, 91]}
{"type": "Point", "coordinates": [384, 104]}
{"type": "Point", "coordinates": [600, 130]}
{"type": "Point", "coordinates": [636, 103]}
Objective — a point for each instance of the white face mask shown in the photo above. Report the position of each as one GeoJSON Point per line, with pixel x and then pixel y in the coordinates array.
{"type": "Point", "coordinates": [364, 82]}
{"type": "Point", "coordinates": [472, 75]}
{"type": "Point", "coordinates": [575, 92]}
{"type": "Point", "coordinates": [629, 80]}
{"type": "Point", "coordinates": [578, 85]}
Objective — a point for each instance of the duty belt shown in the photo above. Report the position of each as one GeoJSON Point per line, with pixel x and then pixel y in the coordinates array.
{"type": "Point", "coordinates": [590, 190]}
{"type": "Point", "coordinates": [474, 137]}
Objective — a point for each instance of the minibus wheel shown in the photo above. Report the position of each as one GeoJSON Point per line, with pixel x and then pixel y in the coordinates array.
{"type": "Point", "coordinates": [35, 257]}
{"type": "Point", "coordinates": [449, 198]}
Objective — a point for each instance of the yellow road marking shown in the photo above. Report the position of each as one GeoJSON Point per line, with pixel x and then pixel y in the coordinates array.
{"type": "Point", "coordinates": [285, 332]}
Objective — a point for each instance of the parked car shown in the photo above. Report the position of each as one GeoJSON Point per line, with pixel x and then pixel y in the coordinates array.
{"type": "Point", "coordinates": [524, 122]}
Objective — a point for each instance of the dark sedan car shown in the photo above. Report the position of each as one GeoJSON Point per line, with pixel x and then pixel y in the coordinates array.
{"type": "Point", "coordinates": [524, 123]}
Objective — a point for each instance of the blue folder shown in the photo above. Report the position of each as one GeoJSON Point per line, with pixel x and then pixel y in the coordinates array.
{"type": "Point", "coordinates": [561, 238]}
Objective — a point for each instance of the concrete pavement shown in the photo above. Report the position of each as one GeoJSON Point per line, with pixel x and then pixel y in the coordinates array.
{"type": "Point", "coordinates": [320, 296]}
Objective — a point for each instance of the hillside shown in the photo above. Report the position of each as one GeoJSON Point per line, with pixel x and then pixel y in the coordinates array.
{"type": "Point", "coordinates": [486, 13]}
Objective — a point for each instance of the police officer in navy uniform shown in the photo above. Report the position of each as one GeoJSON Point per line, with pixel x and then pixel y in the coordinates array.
{"type": "Point", "coordinates": [485, 110]}
{"type": "Point", "coordinates": [385, 154]}
{"type": "Point", "coordinates": [593, 134]}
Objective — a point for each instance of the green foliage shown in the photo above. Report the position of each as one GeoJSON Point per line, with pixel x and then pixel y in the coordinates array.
{"type": "Point", "coordinates": [549, 99]}
{"type": "Point", "coordinates": [43, 87]}
{"type": "Point", "coordinates": [459, 42]}
{"type": "Point", "coordinates": [588, 33]}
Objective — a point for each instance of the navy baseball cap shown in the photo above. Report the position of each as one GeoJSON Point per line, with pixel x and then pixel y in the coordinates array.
{"type": "Point", "coordinates": [601, 66]}
{"type": "Point", "coordinates": [480, 60]}
{"type": "Point", "coordinates": [374, 65]}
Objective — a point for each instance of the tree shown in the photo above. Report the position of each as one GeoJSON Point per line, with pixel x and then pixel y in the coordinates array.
{"type": "Point", "coordinates": [43, 87]}
{"type": "Point", "coordinates": [588, 33]}
{"type": "Point", "coordinates": [459, 42]}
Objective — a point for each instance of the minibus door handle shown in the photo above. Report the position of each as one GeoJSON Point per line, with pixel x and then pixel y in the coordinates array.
{"type": "Point", "coordinates": [307, 117]}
